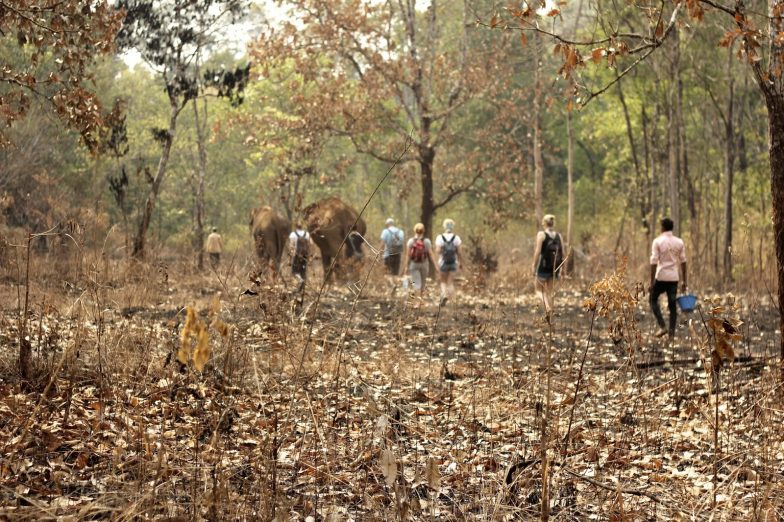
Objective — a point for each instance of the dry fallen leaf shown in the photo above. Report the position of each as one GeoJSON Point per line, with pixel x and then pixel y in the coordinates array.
{"type": "Point", "coordinates": [388, 466]}
{"type": "Point", "coordinates": [432, 474]}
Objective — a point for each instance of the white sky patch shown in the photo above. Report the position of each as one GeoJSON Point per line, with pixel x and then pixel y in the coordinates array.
{"type": "Point", "coordinates": [237, 37]}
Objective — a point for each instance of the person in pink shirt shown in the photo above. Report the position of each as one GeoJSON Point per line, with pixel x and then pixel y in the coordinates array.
{"type": "Point", "coordinates": [667, 255]}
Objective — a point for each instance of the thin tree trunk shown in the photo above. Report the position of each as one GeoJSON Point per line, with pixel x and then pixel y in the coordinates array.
{"type": "Point", "coordinates": [570, 165]}
{"type": "Point", "coordinates": [655, 161]}
{"type": "Point", "coordinates": [198, 221]}
{"type": "Point", "coordinates": [673, 138]}
{"type": "Point", "coordinates": [427, 157]}
{"type": "Point", "coordinates": [537, 117]}
{"type": "Point", "coordinates": [155, 186]}
{"type": "Point", "coordinates": [673, 172]}
{"type": "Point", "coordinates": [649, 217]}
{"type": "Point", "coordinates": [729, 169]}
{"type": "Point", "coordinates": [570, 189]}
{"type": "Point", "coordinates": [637, 170]}
{"type": "Point", "coordinates": [684, 155]}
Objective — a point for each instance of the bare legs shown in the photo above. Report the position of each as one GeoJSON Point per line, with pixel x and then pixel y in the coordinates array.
{"type": "Point", "coordinates": [544, 290]}
{"type": "Point", "coordinates": [447, 286]}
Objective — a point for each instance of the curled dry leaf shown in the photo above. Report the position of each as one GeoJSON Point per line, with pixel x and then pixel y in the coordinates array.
{"type": "Point", "coordinates": [388, 466]}
{"type": "Point", "coordinates": [221, 327]}
{"type": "Point", "coordinates": [432, 474]}
{"type": "Point", "coordinates": [185, 335]}
{"type": "Point", "coordinates": [202, 352]}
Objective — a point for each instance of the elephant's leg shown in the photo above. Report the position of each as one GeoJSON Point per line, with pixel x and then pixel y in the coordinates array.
{"type": "Point", "coordinates": [326, 262]}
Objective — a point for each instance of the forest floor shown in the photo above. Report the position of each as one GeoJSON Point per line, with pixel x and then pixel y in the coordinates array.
{"type": "Point", "coordinates": [362, 405]}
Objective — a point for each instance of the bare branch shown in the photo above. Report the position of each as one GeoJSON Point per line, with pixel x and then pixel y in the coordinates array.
{"type": "Point", "coordinates": [465, 188]}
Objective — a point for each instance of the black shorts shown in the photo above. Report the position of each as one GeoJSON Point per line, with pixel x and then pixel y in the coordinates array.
{"type": "Point", "coordinates": [392, 263]}
{"type": "Point", "coordinates": [299, 266]}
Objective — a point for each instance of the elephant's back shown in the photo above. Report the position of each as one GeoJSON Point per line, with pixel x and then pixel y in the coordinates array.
{"type": "Point", "coordinates": [329, 213]}
{"type": "Point", "coordinates": [266, 219]}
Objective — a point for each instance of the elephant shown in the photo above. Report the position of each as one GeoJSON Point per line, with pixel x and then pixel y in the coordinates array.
{"type": "Point", "coordinates": [329, 222]}
{"type": "Point", "coordinates": [270, 233]}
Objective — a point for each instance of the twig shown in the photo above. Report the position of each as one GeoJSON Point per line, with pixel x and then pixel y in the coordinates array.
{"type": "Point", "coordinates": [579, 382]}
{"type": "Point", "coordinates": [334, 260]}
{"type": "Point", "coordinates": [625, 491]}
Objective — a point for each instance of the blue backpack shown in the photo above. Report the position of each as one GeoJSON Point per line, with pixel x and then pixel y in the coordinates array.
{"type": "Point", "coordinates": [395, 241]}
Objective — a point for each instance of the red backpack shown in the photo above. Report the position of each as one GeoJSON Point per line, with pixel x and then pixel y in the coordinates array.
{"type": "Point", "coordinates": [417, 252]}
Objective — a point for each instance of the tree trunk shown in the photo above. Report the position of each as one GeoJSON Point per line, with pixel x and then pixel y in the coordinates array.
{"type": "Point", "coordinates": [427, 155]}
{"type": "Point", "coordinates": [569, 190]}
{"type": "Point", "coordinates": [198, 214]}
{"type": "Point", "coordinates": [673, 136]}
{"type": "Point", "coordinates": [655, 181]}
{"type": "Point", "coordinates": [639, 182]}
{"type": "Point", "coordinates": [729, 170]}
{"type": "Point", "coordinates": [683, 158]}
{"type": "Point", "coordinates": [537, 117]}
{"type": "Point", "coordinates": [775, 103]}
{"type": "Point", "coordinates": [155, 186]}
{"type": "Point", "coordinates": [649, 218]}
{"type": "Point", "coordinates": [673, 171]}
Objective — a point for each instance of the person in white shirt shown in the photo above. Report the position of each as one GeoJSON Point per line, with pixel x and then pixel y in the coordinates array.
{"type": "Point", "coordinates": [667, 252]}
{"type": "Point", "coordinates": [449, 259]}
{"type": "Point", "coordinates": [299, 249]}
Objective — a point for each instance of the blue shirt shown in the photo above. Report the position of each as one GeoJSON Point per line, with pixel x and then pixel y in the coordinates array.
{"type": "Point", "coordinates": [386, 236]}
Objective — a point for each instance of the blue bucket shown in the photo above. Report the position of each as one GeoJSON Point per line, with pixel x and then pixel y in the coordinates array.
{"type": "Point", "coordinates": [687, 302]}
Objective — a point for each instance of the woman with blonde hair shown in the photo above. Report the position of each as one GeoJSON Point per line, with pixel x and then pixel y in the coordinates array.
{"type": "Point", "coordinates": [449, 259]}
{"type": "Point", "coordinates": [419, 251]}
{"type": "Point", "coordinates": [548, 261]}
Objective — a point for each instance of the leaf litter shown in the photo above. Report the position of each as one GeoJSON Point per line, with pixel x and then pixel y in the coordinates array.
{"type": "Point", "coordinates": [239, 410]}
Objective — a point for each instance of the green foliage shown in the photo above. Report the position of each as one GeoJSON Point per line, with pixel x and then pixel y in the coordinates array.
{"type": "Point", "coordinates": [286, 145]}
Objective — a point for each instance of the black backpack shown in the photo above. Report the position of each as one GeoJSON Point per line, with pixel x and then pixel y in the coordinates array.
{"type": "Point", "coordinates": [449, 250]}
{"type": "Point", "coordinates": [551, 258]}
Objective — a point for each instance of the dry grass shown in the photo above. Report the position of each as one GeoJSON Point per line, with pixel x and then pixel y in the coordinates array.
{"type": "Point", "coordinates": [368, 408]}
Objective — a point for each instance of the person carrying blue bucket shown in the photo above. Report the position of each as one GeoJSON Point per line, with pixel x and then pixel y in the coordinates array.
{"type": "Point", "coordinates": [668, 254]}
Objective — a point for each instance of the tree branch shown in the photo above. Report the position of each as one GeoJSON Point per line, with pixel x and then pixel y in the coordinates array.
{"type": "Point", "coordinates": [458, 191]}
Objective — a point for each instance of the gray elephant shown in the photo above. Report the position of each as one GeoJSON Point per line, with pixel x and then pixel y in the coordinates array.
{"type": "Point", "coordinates": [329, 222]}
{"type": "Point", "coordinates": [270, 233]}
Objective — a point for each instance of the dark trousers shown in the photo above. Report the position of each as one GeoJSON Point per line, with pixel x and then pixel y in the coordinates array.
{"type": "Point", "coordinates": [214, 260]}
{"type": "Point", "coordinates": [299, 266]}
{"type": "Point", "coordinates": [392, 264]}
{"type": "Point", "coordinates": [671, 289]}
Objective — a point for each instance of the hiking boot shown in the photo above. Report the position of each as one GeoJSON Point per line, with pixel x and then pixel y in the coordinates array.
{"type": "Point", "coordinates": [661, 333]}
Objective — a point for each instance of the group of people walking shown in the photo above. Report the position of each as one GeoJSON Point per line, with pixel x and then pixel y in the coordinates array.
{"type": "Point", "coordinates": [447, 258]}
{"type": "Point", "coordinates": [418, 253]}
{"type": "Point", "coordinates": [667, 262]}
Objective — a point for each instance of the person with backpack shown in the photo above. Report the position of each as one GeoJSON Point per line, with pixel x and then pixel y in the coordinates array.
{"type": "Point", "coordinates": [418, 255]}
{"type": "Point", "coordinates": [392, 243]}
{"type": "Point", "coordinates": [668, 254]}
{"type": "Point", "coordinates": [299, 249]}
{"type": "Point", "coordinates": [449, 259]}
{"type": "Point", "coordinates": [548, 261]}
